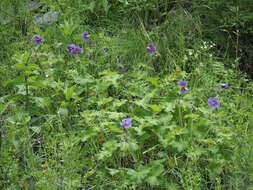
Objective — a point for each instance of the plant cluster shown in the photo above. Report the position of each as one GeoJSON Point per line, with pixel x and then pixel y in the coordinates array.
{"type": "Point", "coordinates": [100, 106]}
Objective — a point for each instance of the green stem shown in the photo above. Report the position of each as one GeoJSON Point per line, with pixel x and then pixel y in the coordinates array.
{"type": "Point", "coordinates": [26, 92]}
{"type": "Point", "coordinates": [26, 85]}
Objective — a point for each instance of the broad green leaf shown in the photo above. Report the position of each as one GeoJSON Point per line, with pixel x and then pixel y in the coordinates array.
{"type": "Point", "coordinates": [17, 80]}
{"type": "Point", "coordinates": [32, 67]}
{"type": "Point", "coordinates": [101, 35]}
{"type": "Point", "coordinates": [114, 128]}
{"type": "Point", "coordinates": [117, 103]}
{"type": "Point", "coordinates": [69, 94]}
{"type": "Point", "coordinates": [37, 84]}
{"type": "Point", "coordinates": [104, 101]}
{"type": "Point", "coordinates": [25, 57]}
{"type": "Point", "coordinates": [83, 80]}
{"type": "Point", "coordinates": [20, 118]}
{"type": "Point", "coordinates": [153, 180]}
{"type": "Point", "coordinates": [108, 148]}
{"type": "Point", "coordinates": [19, 66]}
{"type": "Point", "coordinates": [27, 73]}
{"type": "Point", "coordinates": [42, 102]}
{"type": "Point", "coordinates": [113, 171]}
{"type": "Point", "coordinates": [154, 107]}
{"type": "Point", "coordinates": [128, 146]}
{"type": "Point", "coordinates": [154, 81]}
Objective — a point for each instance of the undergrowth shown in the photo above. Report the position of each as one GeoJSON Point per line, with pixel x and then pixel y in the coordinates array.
{"type": "Point", "coordinates": [62, 114]}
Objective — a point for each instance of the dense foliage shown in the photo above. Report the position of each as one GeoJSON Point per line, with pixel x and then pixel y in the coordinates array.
{"type": "Point", "coordinates": [126, 94]}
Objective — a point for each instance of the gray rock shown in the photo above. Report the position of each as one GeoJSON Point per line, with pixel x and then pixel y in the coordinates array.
{"type": "Point", "coordinates": [47, 18]}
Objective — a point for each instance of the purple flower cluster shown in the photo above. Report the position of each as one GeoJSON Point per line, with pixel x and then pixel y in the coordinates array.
{"type": "Point", "coordinates": [73, 49]}
{"type": "Point", "coordinates": [183, 85]}
{"type": "Point", "coordinates": [37, 39]}
{"type": "Point", "coordinates": [85, 36]}
{"type": "Point", "coordinates": [151, 48]}
{"type": "Point", "coordinates": [126, 123]}
{"type": "Point", "coordinates": [213, 102]}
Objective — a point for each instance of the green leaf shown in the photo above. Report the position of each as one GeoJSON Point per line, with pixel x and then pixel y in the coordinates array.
{"type": "Point", "coordinates": [64, 112]}
{"type": "Point", "coordinates": [89, 133]}
{"type": "Point", "coordinates": [32, 67]}
{"type": "Point", "coordinates": [36, 129]}
{"type": "Point", "coordinates": [20, 118]}
{"type": "Point", "coordinates": [129, 146]}
{"type": "Point", "coordinates": [17, 80]}
{"type": "Point", "coordinates": [37, 84]}
{"type": "Point", "coordinates": [83, 80]}
{"type": "Point", "coordinates": [157, 167]}
{"type": "Point", "coordinates": [15, 143]}
{"type": "Point", "coordinates": [153, 180]}
{"type": "Point", "coordinates": [92, 6]}
{"type": "Point", "coordinates": [180, 146]}
{"type": "Point", "coordinates": [108, 148]}
{"type": "Point", "coordinates": [115, 128]}
{"type": "Point", "coordinates": [117, 103]}
{"type": "Point", "coordinates": [19, 66]}
{"type": "Point", "coordinates": [25, 57]}
{"type": "Point", "coordinates": [106, 6]}
{"type": "Point", "coordinates": [154, 107]}
{"type": "Point", "coordinates": [42, 102]}
{"type": "Point", "coordinates": [104, 101]}
{"type": "Point", "coordinates": [155, 81]}
{"type": "Point", "coordinates": [3, 107]}
{"type": "Point", "coordinates": [113, 171]}
{"type": "Point", "coordinates": [69, 94]}
{"type": "Point", "coordinates": [115, 115]}
{"type": "Point", "coordinates": [192, 116]}
{"type": "Point", "coordinates": [139, 175]}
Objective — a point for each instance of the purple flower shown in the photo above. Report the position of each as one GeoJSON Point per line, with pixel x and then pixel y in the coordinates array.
{"type": "Point", "coordinates": [126, 123]}
{"type": "Point", "coordinates": [224, 85]}
{"type": "Point", "coordinates": [78, 50]}
{"type": "Point", "coordinates": [37, 39]}
{"type": "Point", "coordinates": [151, 48]}
{"type": "Point", "coordinates": [183, 85]}
{"type": "Point", "coordinates": [73, 49]}
{"type": "Point", "coordinates": [213, 102]}
{"type": "Point", "coordinates": [85, 36]}
{"type": "Point", "coordinates": [183, 90]}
